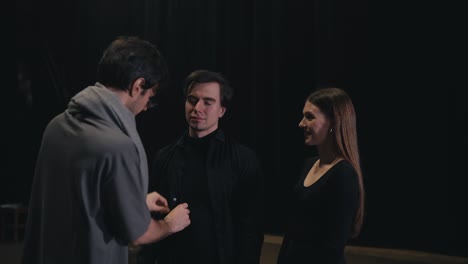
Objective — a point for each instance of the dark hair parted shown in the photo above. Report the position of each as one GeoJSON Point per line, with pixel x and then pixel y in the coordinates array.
{"type": "Point", "coordinates": [128, 58]}
{"type": "Point", "coordinates": [206, 76]}
{"type": "Point", "coordinates": [336, 104]}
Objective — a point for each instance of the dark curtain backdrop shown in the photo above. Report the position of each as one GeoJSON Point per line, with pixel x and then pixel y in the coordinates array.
{"type": "Point", "coordinates": [274, 53]}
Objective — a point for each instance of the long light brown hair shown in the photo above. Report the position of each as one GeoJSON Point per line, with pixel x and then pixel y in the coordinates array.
{"type": "Point", "coordinates": [336, 104]}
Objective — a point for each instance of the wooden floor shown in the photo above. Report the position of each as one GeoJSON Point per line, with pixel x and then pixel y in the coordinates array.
{"type": "Point", "coordinates": [368, 255]}
{"type": "Point", "coordinates": [10, 254]}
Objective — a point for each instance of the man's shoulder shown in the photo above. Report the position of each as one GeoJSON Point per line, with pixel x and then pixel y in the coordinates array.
{"type": "Point", "coordinates": [245, 148]}
{"type": "Point", "coordinates": [233, 141]}
{"type": "Point", "coordinates": [168, 148]}
{"type": "Point", "coordinates": [244, 151]}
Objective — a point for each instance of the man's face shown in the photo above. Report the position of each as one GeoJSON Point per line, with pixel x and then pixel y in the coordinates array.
{"type": "Point", "coordinates": [142, 99]}
{"type": "Point", "coordinates": [203, 109]}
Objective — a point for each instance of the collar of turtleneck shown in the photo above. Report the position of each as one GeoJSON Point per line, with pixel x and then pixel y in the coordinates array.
{"type": "Point", "coordinates": [202, 140]}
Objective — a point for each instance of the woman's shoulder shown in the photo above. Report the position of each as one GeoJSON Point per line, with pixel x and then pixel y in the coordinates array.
{"type": "Point", "coordinates": [344, 166]}
{"type": "Point", "coordinates": [344, 172]}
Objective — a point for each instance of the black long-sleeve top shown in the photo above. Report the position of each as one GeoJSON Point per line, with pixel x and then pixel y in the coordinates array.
{"type": "Point", "coordinates": [229, 197]}
{"type": "Point", "coordinates": [322, 215]}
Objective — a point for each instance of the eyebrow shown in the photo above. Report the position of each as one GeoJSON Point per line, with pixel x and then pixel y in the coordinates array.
{"type": "Point", "coordinates": [211, 99]}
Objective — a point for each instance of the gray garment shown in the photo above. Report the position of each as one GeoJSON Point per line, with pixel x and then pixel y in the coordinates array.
{"type": "Point", "coordinates": [88, 197]}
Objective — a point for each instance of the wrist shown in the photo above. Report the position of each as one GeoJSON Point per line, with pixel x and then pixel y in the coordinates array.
{"type": "Point", "coordinates": [167, 225]}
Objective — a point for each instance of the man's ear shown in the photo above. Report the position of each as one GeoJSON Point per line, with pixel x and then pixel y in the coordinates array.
{"type": "Point", "coordinates": [137, 86]}
{"type": "Point", "coordinates": [223, 111]}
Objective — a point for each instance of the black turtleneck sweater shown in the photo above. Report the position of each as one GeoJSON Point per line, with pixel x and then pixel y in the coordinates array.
{"type": "Point", "coordinates": [199, 236]}
{"type": "Point", "coordinates": [221, 181]}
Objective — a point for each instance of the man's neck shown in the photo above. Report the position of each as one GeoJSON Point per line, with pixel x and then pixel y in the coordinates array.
{"type": "Point", "coordinates": [201, 134]}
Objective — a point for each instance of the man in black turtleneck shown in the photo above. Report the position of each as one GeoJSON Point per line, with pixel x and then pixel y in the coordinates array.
{"type": "Point", "coordinates": [219, 178]}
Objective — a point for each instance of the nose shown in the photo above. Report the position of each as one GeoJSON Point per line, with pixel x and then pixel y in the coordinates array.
{"type": "Point", "coordinates": [301, 123]}
{"type": "Point", "coordinates": [198, 106]}
{"type": "Point", "coordinates": [151, 102]}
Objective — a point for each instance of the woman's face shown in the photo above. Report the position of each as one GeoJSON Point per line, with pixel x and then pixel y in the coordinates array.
{"type": "Point", "coordinates": [315, 124]}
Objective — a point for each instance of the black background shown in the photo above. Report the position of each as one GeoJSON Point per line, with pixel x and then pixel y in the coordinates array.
{"type": "Point", "coordinates": [274, 53]}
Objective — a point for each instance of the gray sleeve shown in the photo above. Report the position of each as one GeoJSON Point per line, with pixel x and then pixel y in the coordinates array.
{"type": "Point", "coordinates": [124, 195]}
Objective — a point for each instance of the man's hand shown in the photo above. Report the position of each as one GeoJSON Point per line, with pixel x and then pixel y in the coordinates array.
{"type": "Point", "coordinates": [178, 218]}
{"type": "Point", "coordinates": [175, 221]}
{"type": "Point", "coordinates": [157, 203]}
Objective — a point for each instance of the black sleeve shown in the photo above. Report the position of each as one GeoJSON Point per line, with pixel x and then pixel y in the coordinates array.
{"type": "Point", "coordinates": [250, 210]}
